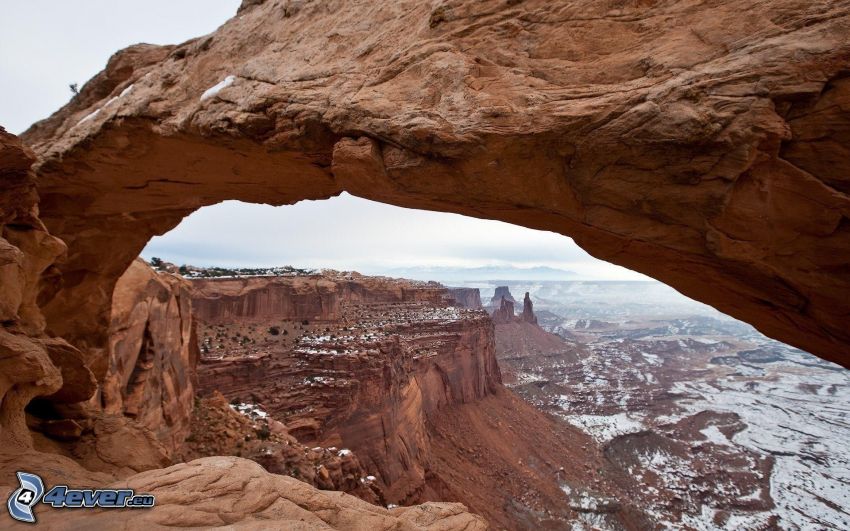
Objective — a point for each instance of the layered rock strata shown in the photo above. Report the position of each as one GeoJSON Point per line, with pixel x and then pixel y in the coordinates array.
{"type": "Point", "coordinates": [408, 386]}
{"type": "Point", "coordinates": [364, 376]}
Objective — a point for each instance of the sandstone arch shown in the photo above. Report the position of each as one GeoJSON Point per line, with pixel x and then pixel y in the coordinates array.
{"type": "Point", "coordinates": [686, 141]}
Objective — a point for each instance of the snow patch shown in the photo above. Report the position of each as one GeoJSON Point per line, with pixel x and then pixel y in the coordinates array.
{"type": "Point", "coordinates": [218, 87]}
{"type": "Point", "coordinates": [89, 116]}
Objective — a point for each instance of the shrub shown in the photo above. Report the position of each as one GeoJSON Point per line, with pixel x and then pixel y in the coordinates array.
{"type": "Point", "coordinates": [274, 330]}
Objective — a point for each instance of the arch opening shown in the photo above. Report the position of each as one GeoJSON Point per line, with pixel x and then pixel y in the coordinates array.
{"type": "Point", "coordinates": [115, 194]}
{"type": "Point", "coordinates": [664, 372]}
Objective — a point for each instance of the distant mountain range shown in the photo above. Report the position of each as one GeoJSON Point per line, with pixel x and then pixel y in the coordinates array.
{"type": "Point", "coordinates": [459, 274]}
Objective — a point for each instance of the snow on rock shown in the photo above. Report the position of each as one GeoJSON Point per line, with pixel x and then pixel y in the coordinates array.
{"type": "Point", "coordinates": [89, 116]}
{"type": "Point", "coordinates": [218, 87]}
{"type": "Point", "coordinates": [252, 411]}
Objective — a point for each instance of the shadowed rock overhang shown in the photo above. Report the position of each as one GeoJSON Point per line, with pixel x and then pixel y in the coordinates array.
{"type": "Point", "coordinates": [707, 146]}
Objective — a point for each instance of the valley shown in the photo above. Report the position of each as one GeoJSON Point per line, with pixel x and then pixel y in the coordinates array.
{"type": "Point", "coordinates": [400, 378]}
{"type": "Point", "coordinates": [713, 425]}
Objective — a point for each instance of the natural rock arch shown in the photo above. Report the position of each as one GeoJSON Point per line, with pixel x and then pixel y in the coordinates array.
{"type": "Point", "coordinates": [702, 147]}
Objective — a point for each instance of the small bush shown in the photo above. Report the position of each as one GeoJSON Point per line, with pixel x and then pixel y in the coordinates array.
{"type": "Point", "coordinates": [274, 330]}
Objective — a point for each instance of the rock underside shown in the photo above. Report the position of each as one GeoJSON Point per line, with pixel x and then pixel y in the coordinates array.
{"type": "Point", "coordinates": [705, 146]}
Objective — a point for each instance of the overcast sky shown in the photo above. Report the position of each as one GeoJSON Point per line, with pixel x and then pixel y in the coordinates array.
{"type": "Point", "coordinates": [48, 44]}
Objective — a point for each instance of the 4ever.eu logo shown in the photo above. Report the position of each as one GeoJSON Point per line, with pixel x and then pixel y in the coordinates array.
{"type": "Point", "coordinates": [22, 501]}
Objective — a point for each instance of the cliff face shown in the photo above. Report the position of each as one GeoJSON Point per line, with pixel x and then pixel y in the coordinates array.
{"type": "Point", "coordinates": [31, 363]}
{"type": "Point", "coordinates": [153, 351]}
{"type": "Point", "coordinates": [365, 378]}
{"type": "Point", "coordinates": [704, 145]}
{"type": "Point", "coordinates": [467, 297]}
{"type": "Point", "coordinates": [297, 298]}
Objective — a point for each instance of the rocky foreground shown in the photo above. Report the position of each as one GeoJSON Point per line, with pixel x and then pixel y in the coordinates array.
{"type": "Point", "coordinates": [248, 497]}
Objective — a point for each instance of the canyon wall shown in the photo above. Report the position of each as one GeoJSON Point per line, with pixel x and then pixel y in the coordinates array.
{"type": "Point", "coordinates": [467, 297]}
{"type": "Point", "coordinates": [153, 351]}
{"type": "Point", "coordinates": [297, 298]}
{"type": "Point", "coordinates": [376, 359]}
{"type": "Point", "coordinates": [31, 363]}
{"type": "Point", "coordinates": [409, 387]}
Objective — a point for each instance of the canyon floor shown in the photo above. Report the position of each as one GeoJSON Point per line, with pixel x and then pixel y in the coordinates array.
{"type": "Point", "coordinates": [713, 425]}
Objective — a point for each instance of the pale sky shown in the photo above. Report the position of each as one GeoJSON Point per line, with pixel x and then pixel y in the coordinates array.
{"type": "Point", "coordinates": [48, 44]}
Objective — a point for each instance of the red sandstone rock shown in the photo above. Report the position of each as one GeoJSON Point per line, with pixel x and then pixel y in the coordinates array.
{"type": "Point", "coordinates": [27, 252]}
{"type": "Point", "coordinates": [152, 353]}
{"type": "Point", "coordinates": [143, 393]}
{"type": "Point", "coordinates": [701, 145]}
{"type": "Point", "coordinates": [528, 310]}
{"type": "Point", "coordinates": [248, 497]}
{"type": "Point", "coordinates": [504, 313]}
{"type": "Point", "coordinates": [416, 403]}
{"type": "Point", "coordinates": [218, 429]}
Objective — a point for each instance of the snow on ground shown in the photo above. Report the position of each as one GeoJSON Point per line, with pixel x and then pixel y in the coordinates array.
{"type": "Point", "coordinates": [714, 435]}
{"type": "Point", "coordinates": [796, 409]}
{"type": "Point", "coordinates": [806, 432]}
{"type": "Point", "coordinates": [603, 428]}
{"type": "Point", "coordinates": [252, 411]}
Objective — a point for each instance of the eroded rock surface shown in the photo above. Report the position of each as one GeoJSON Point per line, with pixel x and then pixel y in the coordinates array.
{"type": "Point", "coordinates": [31, 364]}
{"type": "Point", "coordinates": [702, 144]}
{"type": "Point", "coordinates": [248, 497]}
{"type": "Point", "coordinates": [245, 430]}
{"type": "Point", "coordinates": [153, 351]}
